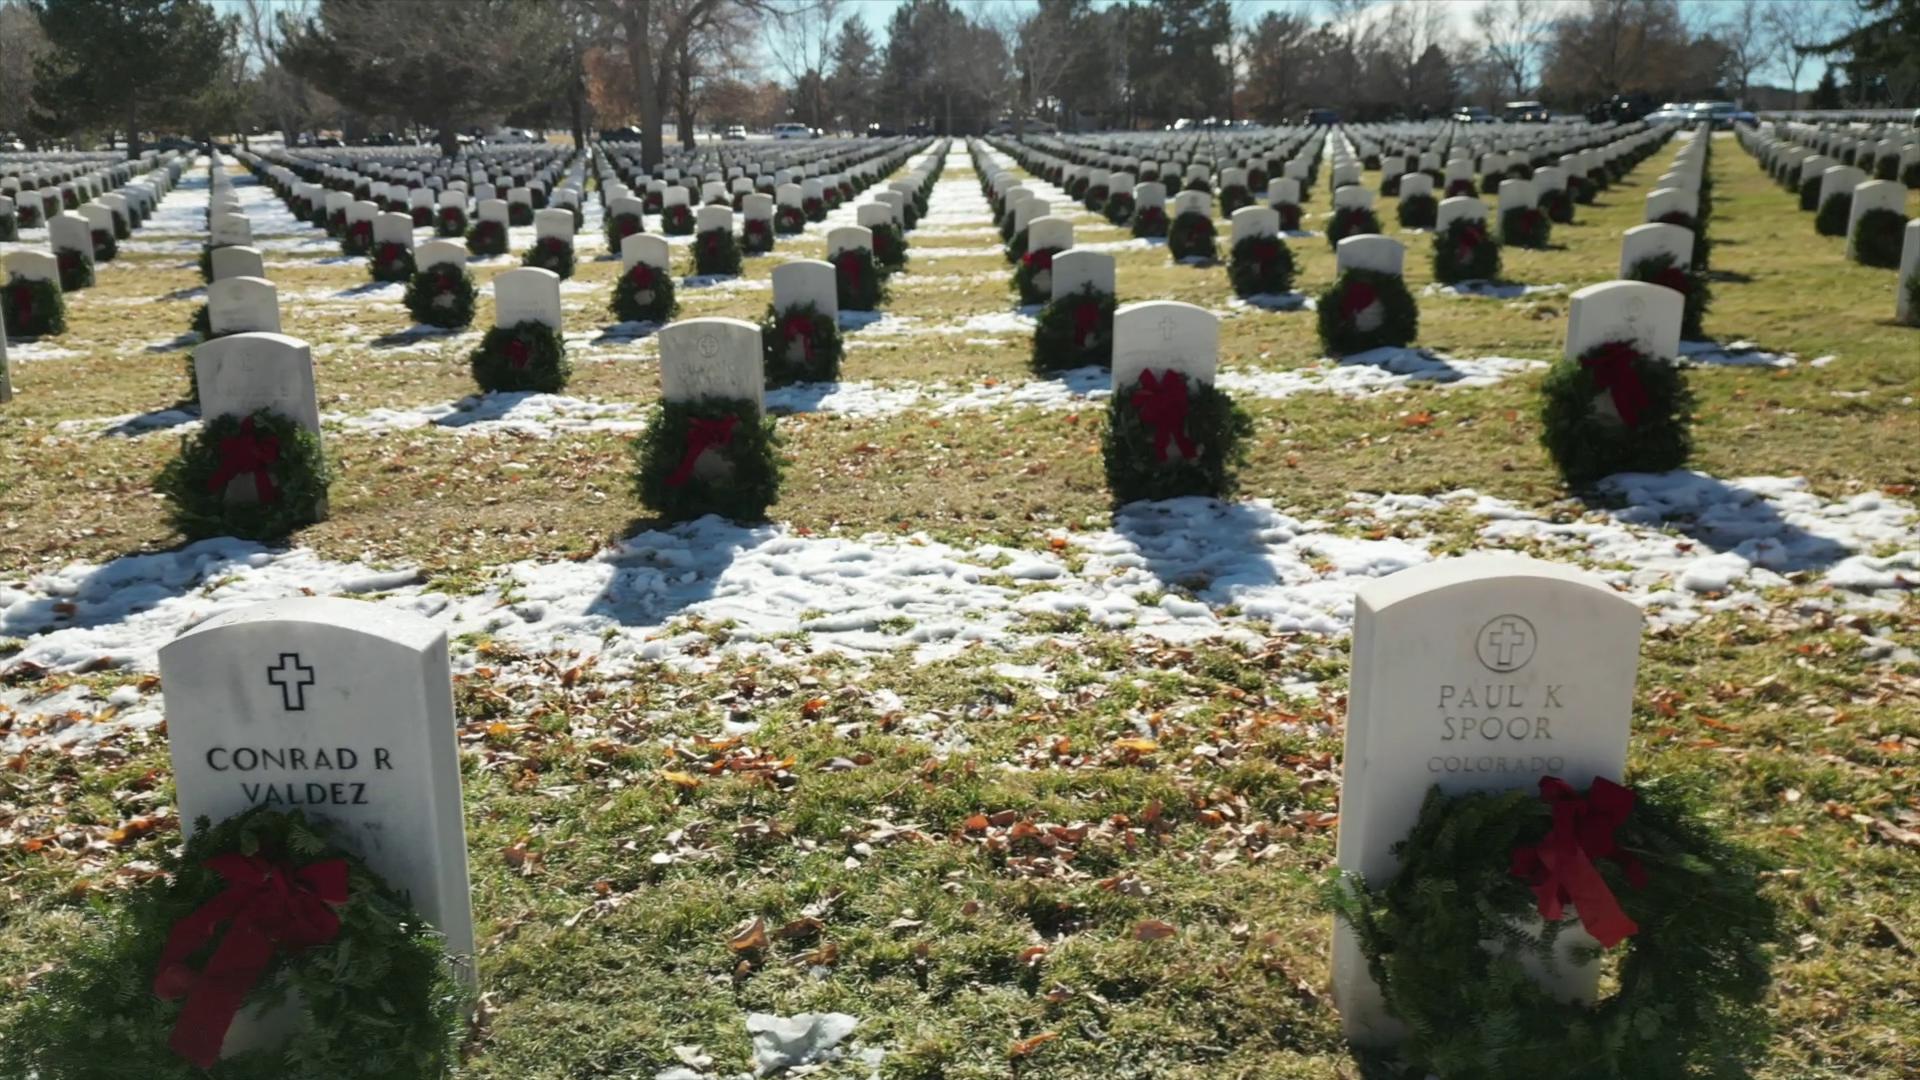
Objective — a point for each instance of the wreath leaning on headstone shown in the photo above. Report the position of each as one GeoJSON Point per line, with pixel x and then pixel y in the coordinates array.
{"type": "Point", "coordinates": [1033, 276]}
{"type": "Point", "coordinates": [1526, 227]}
{"type": "Point", "coordinates": [788, 220]}
{"type": "Point", "coordinates": [1191, 236]}
{"type": "Point", "coordinates": [1465, 252]}
{"type": "Point", "coordinates": [487, 238]}
{"type": "Point", "coordinates": [256, 477]}
{"type": "Point", "coordinates": [290, 922]}
{"type": "Point", "coordinates": [390, 261]}
{"type": "Point", "coordinates": [1417, 211]}
{"type": "Point", "coordinates": [621, 226]}
{"type": "Point", "coordinates": [711, 456]}
{"type": "Point", "coordinates": [528, 355]}
{"type": "Point", "coordinates": [1148, 221]}
{"type": "Point", "coordinates": [1615, 409]}
{"type": "Point", "coordinates": [553, 253]}
{"type": "Point", "coordinates": [105, 248]}
{"type": "Point", "coordinates": [1832, 218]}
{"type": "Point", "coordinates": [1558, 205]}
{"type": "Point", "coordinates": [800, 344]}
{"type": "Point", "coordinates": [1170, 435]}
{"type": "Point", "coordinates": [1351, 221]}
{"type": "Point", "coordinates": [76, 270]}
{"type": "Point", "coordinates": [716, 252]}
{"type": "Point", "coordinates": [859, 283]}
{"type": "Point", "coordinates": [1366, 309]}
{"type": "Point", "coordinates": [1448, 939]}
{"type": "Point", "coordinates": [34, 309]}
{"type": "Point", "coordinates": [1119, 208]}
{"type": "Point", "coordinates": [1234, 197]}
{"type": "Point", "coordinates": [356, 239]}
{"type": "Point", "coordinates": [756, 236]}
{"type": "Point", "coordinates": [9, 227]}
{"type": "Point", "coordinates": [442, 295]}
{"type": "Point", "coordinates": [450, 221]}
{"type": "Point", "coordinates": [1260, 265]}
{"type": "Point", "coordinates": [644, 293]}
{"type": "Point", "coordinates": [1073, 331]}
{"type": "Point", "coordinates": [1692, 286]}
{"type": "Point", "coordinates": [1877, 237]}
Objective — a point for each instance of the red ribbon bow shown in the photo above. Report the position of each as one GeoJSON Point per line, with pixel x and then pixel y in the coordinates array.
{"type": "Point", "coordinates": [1674, 278]}
{"type": "Point", "coordinates": [799, 327]}
{"type": "Point", "coordinates": [265, 905]}
{"type": "Point", "coordinates": [1470, 239]}
{"type": "Point", "coordinates": [702, 435]}
{"type": "Point", "coordinates": [1560, 868]}
{"type": "Point", "coordinates": [882, 242]}
{"type": "Point", "coordinates": [1289, 216]}
{"type": "Point", "coordinates": [712, 241]}
{"type": "Point", "coordinates": [1360, 296]}
{"type": "Point", "coordinates": [1162, 405]}
{"type": "Point", "coordinates": [1038, 260]}
{"type": "Point", "coordinates": [23, 304]}
{"type": "Point", "coordinates": [1086, 323]}
{"type": "Point", "coordinates": [1265, 250]}
{"type": "Point", "coordinates": [849, 264]}
{"type": "Point", "coordinates": [247, 451]}
{"type": "Point", "coordinates": [641, 275]}
{"type": "Point", "coordinates": [519, 355]}
{"type": "Point", "coordinates": [1613, 371]}
{"type": "Point", "coordinates": [626, 225]}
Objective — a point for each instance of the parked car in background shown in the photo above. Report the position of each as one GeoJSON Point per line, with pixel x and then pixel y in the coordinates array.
{"type": "Point", "coordinates": [1525, 112]}
{"type": "Point", "coordinates": [512, 137]}
{"type": "Point", "coordinates": [736, 133]}
{"type": "Point", "coordinates": [1669, 113]}
{"type": "Point", "coordinates": [1719, 114]}
{"type": "Point", "coordinates": [792, 131]}
{"type": "Point", "coordinates": [1474, 114]}
{"type": "Point", "coordinates": [880, 131]}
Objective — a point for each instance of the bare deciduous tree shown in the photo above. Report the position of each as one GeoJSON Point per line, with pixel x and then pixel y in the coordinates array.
{"type": "Point", "coordinates": [1510, 34]}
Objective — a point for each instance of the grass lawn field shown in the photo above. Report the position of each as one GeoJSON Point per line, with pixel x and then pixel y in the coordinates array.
{"type": "Point", "coordinates": [1072, 850]}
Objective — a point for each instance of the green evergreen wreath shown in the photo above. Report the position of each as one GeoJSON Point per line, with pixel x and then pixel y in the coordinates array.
{"type": "Point", "coordinates": [1582, 190]}
{"type": "Point", "coordinates": [1910, 176]}
{"type": "Point", "coordinates": [450, 221]}
{"type": "Point", "coordinates": [1362, 296]}
{"type": "Point", "coordinates": [621, 226]}
{"type": "Point", "coordinates": [76, 270]}
{"type": "Point", "coordinates": [525, 356]}
{"type": "Point", "coordinates": [1074, 331]}
{"type": "Point", "coordinates": [202, 324]}
{"type": "Point", "coordinates": [1810, 193]}
{"type": "Point", "coordinates": [9, 227]}
{"type": "Point", "coordinates": [715, 251]}
{"type": "Point", "coordinates": [105, 248]}
{"type": "Point", "coordinates": [727, 438]}
{"type": "Point", "coordinates": [1289, 216]}
{"type": "Point", "coordinates": [520, 214]}
{"type": "Point", "coordinates": [289, 471]}
{"type": "Point", "coordinates": [814, 208]}
{"type": "Point", "coordinates": [1702, 247]}
{"type": "Point", "coordinates": [1149, 221]}
{"type": "Point", "coordinates": [756, 236]}
{"type": "Point", "coordinates": [1588, 441]}
{"type": "Point", "coordinates": [1191, 237]}
{"type": "Point", "coordinates": [889, 248]}
{"type": "Point", "coordinates": [553, 253]}
{"type": "Point", "coordinates": [1095, 198]}
{"type": "Point", "coordinates": [34, 309]}
{"type": "Point", "coordinates": [1119, 208]}
{"type": "Point", "coordinates": [677, 220]}
{"type": "Point", "coordinates": [1913, 299]}
{"type": "Point", "coordinates": [1444, 941]}
{"type": "Point", "coordinates": [390, 262]}
{"type": "Point", "coordinates": [644, 293]}
{"type": "Point", "coordinates": [1033, 276]}
{"type": "Point", "coordinates": [1418, 211]}
{"type": "Point", "coordinates": [1877, 238]}
{"type": "Point", "coordinates": [1143, 419]}
{"type": "Point", "coordinates": [487, 238]}
{"type": "Point", "coordinates": [1690, 284]}
{"type": "Point", "coordinates": [29, 214]}
{"type": "Point", "coordinates": [800, 344]}
{"type": "Point", "coordinates": [1465, 252]}
{"type": "Point", "coordinates": [788, 220]}
{"type": "Point", "coordinates": [1234, 198]}
{"type": "Point", "coordinates": [376, 1002]}
{"type": "Point", "coordinates": [1832, 218]}
{"type": "Point", "coordinates": [1351, 221]}
{"type": "Point", "coordinates": [858, 282]}
{"type": "Point", "coordinates": [1016, 248]}
{"type": "Point", "coordinates": [356, 239]}
{"type": "Point", "coordinates": [1525, 227]}
{"type": "Point", "coordinates": [442, 295]}
{"type": "Point", "coordinates": [1461, 188]}
{"type": "Point", "coordinates": [1260, 265]}
{"type": "Point", "coordinates": [1558, 205]}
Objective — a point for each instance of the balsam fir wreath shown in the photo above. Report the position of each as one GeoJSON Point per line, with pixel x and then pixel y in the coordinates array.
{"type": "Point", "coordinates": [1074, 331]}
{"type": "Point", "coordinates": [1149, 221]}
{"type": "Point", "coordinates": [525, 356]}
{"type": "Point", "coordinates": [1490, 183]}
{"type": "Point", "coordinates": [1096, 197]}
{"type": "Point", "coordinates": [34, 309]}
{"type": "Point", "coordinates": [1417, 211]}
{"type": "Point", "coordinates": [1692, 286]}
{"type": "Point", "coordinates": [357, 239]}
{"type": "Point", "coordinates": [1832, 218]}
{"type": "Point", "coordinates": [1462, 187]}
{"type": "Point", "coordinates": [800, 344]}
{"type": "Point", "coordinates": [621, 226]}
{"type": "Point", "coordinates": [422, 216]}
{"type": "Point", "coordinates": [1465, 252]}
{"type": "Point", "coordinates": [814, 208]}
{"type": "Point", "coordinates": [1351, 221]}
{"type": "Point", "coordinates": [1033, 277]}
{"type": "Point", "coordinates": [1910, 176]}
{"type": "Point", "coordinates": [1684, 908]}
{"type": "Point", "coordinates": [756, 236]}
{"type": "Point", "coordinates": [1364, 310]}
{"type": "Point", "coordinates": [889, 248]}
{"type": "Point", "coordinates": [1810, 193]}
{"type": "Point", "coordinates": [390, 261]}
{"type": "Point", "coordinates": [644, 293]}
{"type": "Point", "coordinates": [1078, 187]}
{"type": "Point", "coordinates": [1119, 208]}
{"type": "Point", "coordinates": [9, 226]}
{"type": "Point", "coordinates": [712, 456]}
{"type": "Point", "coordinates": [788, 220]}
{"type": "Point", "coordinates": [288, 919]}
{"type": "Point", "coordinates": [1581, 190]}
{"type": "Point", "coordinates": [282, 475]}
{"type": "Point", "coordinates": [677, 220]}
{"type": "Point", "coordinates": [858, 284]}
{"type": "Point", "coordinates": [442, 295]}
{"type": "Point", "coordinates": [1913, 299]}
{"type": "Point", "coordinates": [336, 222]}
{"type": "Point", "coordinates": [520, 214]}
{"type": "Point", "coordinates": [715, 252]}
{"type": "Point", "coordinates": [653, 201]}
{"type": "Point", "coordinates": [1289, 216]}
{"type": "Point", "coordinates": [69, 199]}
{"type": "Point", "coordinates": [553, 253]}
{"type": "Point", "coordinates": [1558, 206]}
{"type": "Point", "coordinates": [1232, 198]}
{"type": "Point", "coordinates": [1191, 236]}
{"type": "Point", "coordinates": [1877, 238]}
{"type": "Point", "coordinates": [1702, 247]}
{"type": "Point", "coordinates": [76, 270]}
{"type": "Point", "coordinates": [1615, 410]}
{"type": "Point", "coordinates": [1525, 227]}
{"type": "Point", "coordinates": [1201, 184]}
{"type": "Point", "coordinates": [1260, 265]}
{"type": "Point", "coordinates": [105, 248]}
{"type": "Point", "coordinates": [1171, 435]}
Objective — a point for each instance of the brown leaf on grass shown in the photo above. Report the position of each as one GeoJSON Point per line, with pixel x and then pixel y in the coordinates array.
{"type": "Point", "coordinates": [750, 936]}
{"type": "Point", "coordinates": [1153, 930]}
{"type": "Point", "coordinates": [800, 928]}
{"type": "Point", "coordinates": [1022, 1047]}
{"type": "Point", "coordinates": [1420, 419]}
{"type": "Point", "coordinates": [681, 780]}
{"type": "Point", "coordinates": [1032, 955]}
{"type": "Point", "coordinates": [1895, 834]}
{"type": "Point", "coordinates": [1136, 745]}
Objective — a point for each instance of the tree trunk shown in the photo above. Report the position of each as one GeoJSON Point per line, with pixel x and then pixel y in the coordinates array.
{"type": "Point", "coordinates": [133, 132]}
{"type": "Point", "coordinates": [640, 58]}
{"type": "Point", "coordinates": [577, 111]}
{"type": "Point", "coordinates": [683, 94]}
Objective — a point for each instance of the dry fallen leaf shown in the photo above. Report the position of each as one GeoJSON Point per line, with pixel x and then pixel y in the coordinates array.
{"type": "Point", "coordinates": [1153, 930]}
{"type": "Point", "coordinates": [1022, 1047]}
{"type": "Point", "coordinates": [749, 937]}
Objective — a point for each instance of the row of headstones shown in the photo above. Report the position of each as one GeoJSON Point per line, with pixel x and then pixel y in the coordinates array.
{"type": "Point", "coordinates": [765, 169]}
{"type": "Point", "coordinates": [356, 171]}
{"type": "Point", "coordinates": [1884, 152]}
{"type": "Point", "coordinates": [1827, 186]}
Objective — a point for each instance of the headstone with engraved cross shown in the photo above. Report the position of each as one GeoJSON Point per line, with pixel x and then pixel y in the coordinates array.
{"type": "Point", "coordinates": [1162, 336]}
{"type": "Point", "coordinates": [1484, 673]}
{"type": "Point", "coordinates": [712, 358]}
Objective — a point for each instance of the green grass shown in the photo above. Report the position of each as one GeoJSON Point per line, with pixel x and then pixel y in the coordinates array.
{"type": "Point", "coordinates": [616, 851]}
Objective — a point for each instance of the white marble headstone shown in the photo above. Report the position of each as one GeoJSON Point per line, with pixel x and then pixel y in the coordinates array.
{"type": "Point", "coordinates": [237, 262]}
{"type": "Point", "coordinates": [239, 305]}
{"type": "Point", "coordinates": [1381, 254]}
{"type": "Point", "coordinates": [713, 219]}
{"type": "Point", "coordinates": [1051, 232]}
{"type": "Point", "coordinates": [553, 224]}
{"type": "Point", "coordinates": [646, 248]}
{"type": "Point", "coordinates": [526, 294]}
{"type": "Point", "coordinates": [848, 238]}
{"type": "Point", "coordinates": [1653, 239]}
{"type": "Point", "coordinates": [807, 281]}
{"type": "Point", "coordinates": [1639, 312]}
{"type": "Point", "coordinates": [1460, 207]}
{"type": "Point", "coordinates": [1074, 270]}
{"type": "Point", "coordinates": [1162, 335]}
{"type": "Point", "coordinates": [440, 253]}
{"type": "Point", "coordinates": [712, 358]}
{"type": "Point", "coordinates": [241, 374]}
{"type": "Point", "coordinates": [1251, 221]}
